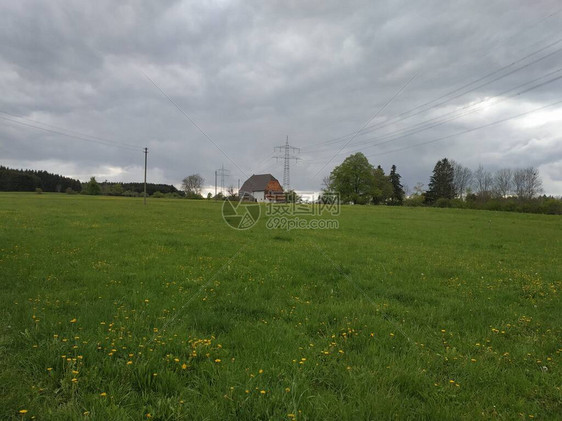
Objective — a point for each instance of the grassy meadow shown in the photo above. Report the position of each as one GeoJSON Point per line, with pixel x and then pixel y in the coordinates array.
{"type": "Point", "coordinates": [112, 310]}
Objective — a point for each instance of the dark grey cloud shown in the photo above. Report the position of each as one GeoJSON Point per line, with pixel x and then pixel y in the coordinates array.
{"type": "Point", "coordinates": [250, 73]}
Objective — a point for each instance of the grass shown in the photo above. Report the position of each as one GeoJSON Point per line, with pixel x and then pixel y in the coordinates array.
{"type": "Point", "coordinates": [112, 310]}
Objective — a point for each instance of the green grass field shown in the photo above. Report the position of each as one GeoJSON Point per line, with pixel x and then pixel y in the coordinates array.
{"type": "Point", "coordinates": [113, 311]}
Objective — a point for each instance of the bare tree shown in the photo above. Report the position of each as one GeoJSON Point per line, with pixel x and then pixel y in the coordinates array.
{"type": "Point", "coordinates": [503, 182]}
{"type": "Point", "coordinates": [327, 183]}
{"type": "Point", "coordinates": [462, 177]}
{"type": "Point", "coordinates": [483, 181]}
{"type": "Point", "coordinates": [418, 189]}
{"type": "Point", "coordinates": [527, 182]}
{"type": "Point", "coordinates": [192, 184]}
{"type": "Point", "coordinates": [231, 191]}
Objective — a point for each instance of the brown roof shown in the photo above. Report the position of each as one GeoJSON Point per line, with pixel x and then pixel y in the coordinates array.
{"type": "Point", "coordinates": [257, 182]}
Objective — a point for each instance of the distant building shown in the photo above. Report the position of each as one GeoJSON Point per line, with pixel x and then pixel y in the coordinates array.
{"type": "Point", "coordinates": [262, 188]}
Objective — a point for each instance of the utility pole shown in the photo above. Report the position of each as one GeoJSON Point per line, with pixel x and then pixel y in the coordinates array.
{"type": "Point", "coordinates": [286, 152]}
{"type": "Point", "coordinates": [145, 159]}
{"type": "Point", "coordinates": [215, 184]}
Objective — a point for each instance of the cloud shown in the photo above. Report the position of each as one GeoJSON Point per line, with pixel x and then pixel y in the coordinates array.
{"type": "Point", "coordinates": [250, 73]}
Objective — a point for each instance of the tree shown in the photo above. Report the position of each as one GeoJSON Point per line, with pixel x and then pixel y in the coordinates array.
{"type": "Point", "coordinates": [231, 193]}
{"type": "Point", "coordinates": [398, 193]}
{"type": "Point", "coordinates": [527, 182]}
{"type": "Point", "coordinates": [483, 182]}
{"type": "Point", "coordinates": [192, 185]}
{"type": "Point", "coordinates": [92, 187]}
{"type": "Point", "coordinates": [441, 183]}
{"type": "Point", "coordinates": [462, 177]}
{"type": "Point", "coordinates": [418, 189]}
{"type": "Point", "coordinates": [382, 187]}
{"type": "Point", "coordinates": [503, 182]}
{"type": "Point", "coordinates": [353, 179]}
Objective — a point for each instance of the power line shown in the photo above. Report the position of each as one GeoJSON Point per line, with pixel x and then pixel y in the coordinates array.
{"type": "Point", "coordinates": [74, 136]}
{"type": "Point", "coordinates": [468, 130]}
{"type": "Point", "coordinates": [194, 123]}
{"type": "Point", "coordinates": [423, 126]}
{"type": "Point", "coordinates": [367, 122]}
{"type": "Point", "coordinates": [410, 113]}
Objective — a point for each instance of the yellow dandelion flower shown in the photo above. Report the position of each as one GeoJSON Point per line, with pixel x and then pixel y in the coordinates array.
{"type": "Point", "coordinates": [184, 366]}
{"type": "Point", "coordinates": [287, 389]}
{"type": "Point", "coordinates": [103, 394]}
{"type": "Point", "coordinates": [129, 362]}
{"type": "Point", "coordinates": [74, 380]}
{"type": "Point", "coordinates": [262, 392]}
{"type": "Point", "coordinates": [218, 360]}
{"type": "Point", "coordinates": [73, 321]}
{"type": "Point", "coordinates": [260, 371]}
{"type": "Point", "coordinates": [23, 411]}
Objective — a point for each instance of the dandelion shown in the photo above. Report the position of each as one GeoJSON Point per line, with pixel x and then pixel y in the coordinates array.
{"type": "Point", "coordinates": [287, 389]}
{"type": "Point", "coordinates": [183, 366]}
{"type": "Point", "coordinates": [73, 321]}
{"type": "Point", "coordinates": [49, 368]}
{"type": "Point", "coordinates": [86, 412]}
{"type": "Point", "coordinates": [74, 372]}
{"type": "Point", "coordinates": [262, 392]}
{"type": "Point", "coordinates": [23, 411]}
{"type": "Point", "coordinates": [129, 362]}
{"type": "Point", "coordinates": [218, 360]}
{"type": "Point", "coordinates": [103, 394]}
{"type": "Point", "coordinates": [74, 380]}
{"type": "Point", "coordinates": [473, 360]}
{"type": "Point", "coordinates": [260, 371]}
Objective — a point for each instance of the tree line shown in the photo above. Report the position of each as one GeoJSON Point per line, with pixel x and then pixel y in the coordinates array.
{"type": "Point", "coordinates": [451, 185]}
{"type": "Point", "coordinates": [43, 181]}
{"type": "Point", "coordinates": [31, 180]}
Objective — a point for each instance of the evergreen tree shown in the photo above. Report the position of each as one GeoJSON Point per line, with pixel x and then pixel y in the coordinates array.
{"type": "Point", "coordinates": [441, 183]}
{"type": "Point", "coordinates": [92, 187]}
{"type": "Point", "coordinates": [397, 189]}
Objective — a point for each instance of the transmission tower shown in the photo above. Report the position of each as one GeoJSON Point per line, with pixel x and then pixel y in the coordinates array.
{"type": "Point", "coordinates": [286, 152]}
{"type": "Point", "coordinates": [222, 173]}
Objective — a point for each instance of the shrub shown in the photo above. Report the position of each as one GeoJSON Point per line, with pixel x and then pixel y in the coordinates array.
{"type": "Point", "coordinates": [415, 200]}
{"type": "Point", "coordinates": [38, 190]}
{"type": "Point", "coordinates": [157, 194]}
{"type": "Point", "coordinates": [443, 203]}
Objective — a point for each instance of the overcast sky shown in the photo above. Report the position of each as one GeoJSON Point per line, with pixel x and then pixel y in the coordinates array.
{"type": "Point", "coordinates": [473, 81]}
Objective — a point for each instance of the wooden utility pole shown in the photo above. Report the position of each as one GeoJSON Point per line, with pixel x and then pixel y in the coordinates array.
{"type": "Point", "coordinates": [145, 160]}
{"type": "Point", "coordinates": [215, 184]}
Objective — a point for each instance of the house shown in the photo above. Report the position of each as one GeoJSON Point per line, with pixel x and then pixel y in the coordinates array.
{"type": "Point", "coordinates": [262, 188]}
